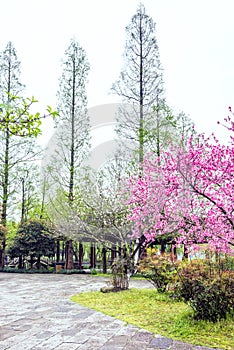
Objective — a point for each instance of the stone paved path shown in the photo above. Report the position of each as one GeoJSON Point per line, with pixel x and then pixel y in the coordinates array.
{"type": "Point", "coordinates": [36, 313]}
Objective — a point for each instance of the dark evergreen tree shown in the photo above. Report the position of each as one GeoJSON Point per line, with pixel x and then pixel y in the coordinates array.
{"type": "Point", "coordinates": [33, 239]}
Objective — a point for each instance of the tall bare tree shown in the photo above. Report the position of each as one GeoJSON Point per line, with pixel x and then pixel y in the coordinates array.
{"type": "Point", "coordinates": [13, 150]}
{"type": "Point", "coordinates": [140, 83]}
{"type": "Point", "coordinates": [72, 136]}
{"type": "Point", "coordinates": [18, 129]}
{"type": "Point", "coordinates": [9, 84]}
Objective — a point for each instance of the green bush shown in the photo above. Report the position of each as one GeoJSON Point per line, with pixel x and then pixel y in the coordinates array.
{"type": "Point", "coordinates": [158, 269]}
{"type": "Point", "coordinates": [210, 300]}
{"type": "Point", "coordinates": [209, 292]}
{"type": "Point", "coordinates": [188, 275]}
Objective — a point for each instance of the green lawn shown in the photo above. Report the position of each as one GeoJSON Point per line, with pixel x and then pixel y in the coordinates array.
{"type": "Point", "coordinates": [159, 314]}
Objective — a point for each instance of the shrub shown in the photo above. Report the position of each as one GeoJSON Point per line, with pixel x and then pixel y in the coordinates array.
{"type": "Point", "coordinates": [158, 269]}
{"type": "Point", "coordinates": [119, 273]}
{"type": "Point", "coordinates": [210, 300]}
{"type": "Point", "coordinates": [209, 292]}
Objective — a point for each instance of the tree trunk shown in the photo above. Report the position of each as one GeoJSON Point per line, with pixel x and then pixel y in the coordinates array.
{"type": "Point", "coordinates": [119, 250]}
{"type": "Point", "coordinates": [173, 253]}
{"type": "Point", "coordinates": [141, 123]}
{"type": "Point", "coordinates": [120, 279]}
{"type": "Point", "coordinates": [162, 248]}
{"type": "Point", "coordinates": [69, 256]}
{"type": "Point", "coordinates": [2, 253]}
{"type": "Point", "coordinates": [5, 180]}
{"type": "Point", "coordinates": [185, 252]}
{"type": "Point", "coordinates": [38, 263]}
{"type": "Point", "coordinates": [31, 262]}
{"type": "Point", "coordinates": [113, 253]}
{"type": "Point", "coordinates": [20, 265]}
{"type": "Point", "coordinates": [75, 250]}
{"type": "Point", "coordinates": [5, 195]}
{"type": "Point", "coordinates": [23, 202]}
{"type": "Point", "coordinates": [43, 199]}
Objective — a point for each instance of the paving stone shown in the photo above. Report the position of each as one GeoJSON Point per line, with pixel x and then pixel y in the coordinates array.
{"type": "Point", "coordinates": [19, 326]}
{"type": "Point", "coordinates": [6, 332]}
{"type": "Point", "coordinates": [67, 346]}
{"type": "Point", "coordinates": [161, 342]}
{"type": "Point", "coordinates": [111, 347]}
{"type": "Point", "coordinates": [69, 332]}
{"type": "Point", "coordinates": [26, 344]}
{"type": "Point", "coordinates": [130, 329]}
{"type": "Point", "coordinates": [120, 340]}
{"type": "Point", "coordinates": [143, 336]}
{"type": "Point", "coordinates": [50, 343]}
{"type": "Point", "coordinates": [79, 338]}
{"type": "Point", "coordinates": [94, 343]}
{"type": "Point", "coordinates": [134, 346]}
{"type": "Point", "coordinates": [44, 335]}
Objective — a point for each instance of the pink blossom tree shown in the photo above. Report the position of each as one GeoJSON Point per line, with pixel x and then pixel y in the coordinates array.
{"type": "Point", "coordinates": [187, 193]}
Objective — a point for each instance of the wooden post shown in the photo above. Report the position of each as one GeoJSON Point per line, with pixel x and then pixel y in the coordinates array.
{"type": "Point", "coordinates": [104, 265]}
{"type": "Point", "coordinates": [57, 250]}
{"type": "Point", "coordinates": [173, 253]}
{"type": "Point", "coordinates": [81, 253]}
{"type": "Point", "coordinates": [63, 251]}
{"type": "Point", "coordinates": [69, 255]}
{"type": "Point", "coordinates": [163, 248]}
{"type": "Point", "coordinates": [92, 255]}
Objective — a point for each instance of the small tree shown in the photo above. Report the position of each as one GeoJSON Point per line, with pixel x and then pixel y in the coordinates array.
{"type": "Point", "coordinates": [33, 239]}
{"type": "Point", "coordinates": [98, 215]}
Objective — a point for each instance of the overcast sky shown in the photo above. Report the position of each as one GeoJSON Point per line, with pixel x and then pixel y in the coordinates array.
{"type": "Point", "coordinates": [195, 39]}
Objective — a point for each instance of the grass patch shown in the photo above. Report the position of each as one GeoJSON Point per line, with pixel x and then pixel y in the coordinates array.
{"type": "Point", "coordinates": [159, 314]}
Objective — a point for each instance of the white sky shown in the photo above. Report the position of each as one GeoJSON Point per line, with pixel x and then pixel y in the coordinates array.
{"type": "Point", "coordinates": [195, 38]}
